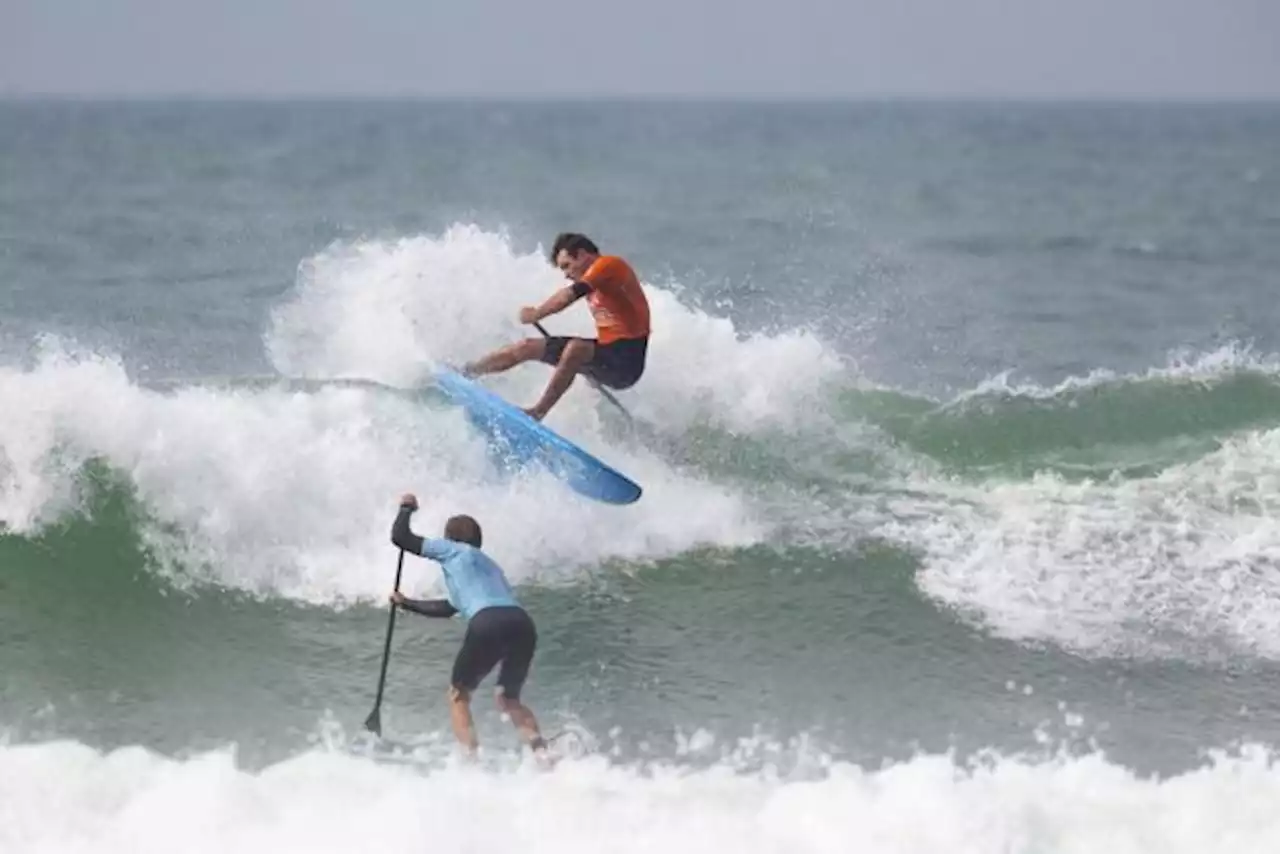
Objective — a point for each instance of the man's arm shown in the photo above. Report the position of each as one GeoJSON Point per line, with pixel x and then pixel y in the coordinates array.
{"type": "Point", "coordinates": [428, 607]}
{"type": "Point", "coordinates": [401, 535]}
{"type": "Point", "coordinates": [406, 539]}
{"type": "Point", "coordinates": [556, 303]}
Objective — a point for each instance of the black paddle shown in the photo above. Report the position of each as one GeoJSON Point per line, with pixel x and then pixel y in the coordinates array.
{"type": "Point", "coordinates": [595, 384]}
{"type": "Point", "coordinates": [373, 723]}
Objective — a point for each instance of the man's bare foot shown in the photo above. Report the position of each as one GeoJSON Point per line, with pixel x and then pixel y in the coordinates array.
{"type": "Point", "coordinates": [543, 754]}
{"type": "Point", "coordinates": [533, 412]}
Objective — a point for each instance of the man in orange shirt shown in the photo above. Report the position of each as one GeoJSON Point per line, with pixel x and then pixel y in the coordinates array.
{"type": "Point", "coordinates": [615, 357]}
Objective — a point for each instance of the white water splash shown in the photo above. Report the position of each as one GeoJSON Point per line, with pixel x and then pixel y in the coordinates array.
{"type": "Point", "coordinates": [65, 797]}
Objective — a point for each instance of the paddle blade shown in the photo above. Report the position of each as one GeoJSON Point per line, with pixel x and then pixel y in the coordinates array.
{"type": "Point", "coordinates": [373, 723]}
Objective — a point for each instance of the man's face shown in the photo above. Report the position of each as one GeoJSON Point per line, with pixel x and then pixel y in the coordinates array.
{"type": "Point", "coordinates": [574, 265]}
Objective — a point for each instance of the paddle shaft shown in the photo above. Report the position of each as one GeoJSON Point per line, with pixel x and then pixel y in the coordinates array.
{"type": "Point", "coordinates": [374, 721]}
{"type": "Point", "coordinates": [594, 383]}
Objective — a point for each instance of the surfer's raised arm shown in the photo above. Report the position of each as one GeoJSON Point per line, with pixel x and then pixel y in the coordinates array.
{"type": "Point", "coordinates": [401, 534]}
{"type": "Point", "coordinates": [405, 538]}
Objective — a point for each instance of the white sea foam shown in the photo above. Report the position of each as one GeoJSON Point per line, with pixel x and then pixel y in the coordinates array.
{"type": "Point", "coordinates": [1177, 563]}
{"type": "Point", "coordinates": [388, 311]}
{"type": "Point", "coordinates": [67, 798]}
{"type": "Point", "coordinates": [292, 492]}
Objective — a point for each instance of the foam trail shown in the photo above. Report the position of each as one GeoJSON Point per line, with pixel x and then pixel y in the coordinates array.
{"type": "Point", "coordinates": [292, 493]}
{"type": "Point", "coordinates": [134, 801]}
{"type": "Point", "coordinates": [385, 311]}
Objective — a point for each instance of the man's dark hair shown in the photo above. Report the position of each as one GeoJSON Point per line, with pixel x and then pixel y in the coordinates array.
{"type": "Point", "coordinates": [462, 529]}
{"type": "Point", "coordinates": [573, 243]}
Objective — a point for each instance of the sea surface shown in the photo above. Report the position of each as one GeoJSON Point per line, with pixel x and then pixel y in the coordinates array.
{"type": "Point", "coordinates": [959, 440]}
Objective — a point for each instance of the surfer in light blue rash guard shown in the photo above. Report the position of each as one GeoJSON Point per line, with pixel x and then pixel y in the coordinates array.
{"type": "Point", "coordinates": [499, 630]}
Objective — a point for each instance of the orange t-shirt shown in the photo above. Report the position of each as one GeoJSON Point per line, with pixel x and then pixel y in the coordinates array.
{"type": "Point", "coordinates": [617, 302]}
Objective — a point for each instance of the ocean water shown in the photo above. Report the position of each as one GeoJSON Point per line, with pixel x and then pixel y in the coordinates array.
{"type": "Point", "coordinates": [960, 441]}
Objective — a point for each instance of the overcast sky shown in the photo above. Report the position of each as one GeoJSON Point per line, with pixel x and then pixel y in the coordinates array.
{"type": "Point", "coordinates": [1020, 48]}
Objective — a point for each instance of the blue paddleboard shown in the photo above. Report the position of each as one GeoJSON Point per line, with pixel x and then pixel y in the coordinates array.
{"type": "Point", "coordinates": [521, 439]}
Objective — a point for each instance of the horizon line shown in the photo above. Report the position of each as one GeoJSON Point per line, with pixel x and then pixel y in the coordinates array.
{"type": "Point", "coordinates": [232, 96]}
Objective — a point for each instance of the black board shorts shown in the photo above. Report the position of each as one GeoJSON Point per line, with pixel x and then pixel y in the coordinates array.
{"type": "Point", "coordinates": [505, 634]}
{"type": "Point", "coordinates": [618, 364]}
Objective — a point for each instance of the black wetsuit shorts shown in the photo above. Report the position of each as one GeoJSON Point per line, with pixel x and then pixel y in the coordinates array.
{"type": "Point", "coordinates": [500, 634]}
{"type": "Point", "coordinates": [618, 364]}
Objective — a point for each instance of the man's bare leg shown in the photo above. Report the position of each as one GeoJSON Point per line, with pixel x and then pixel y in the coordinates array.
{"type": "Point", "coordinates": [460, 716]}
{"type": "Point", "coordinates": [523, 720]}
{"type": "Point", "coordinates": [506, 358]}
{"type": "Point", "coordinates": [576, 354]}
{"type": "Point", "coordinates": [527, 725]}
